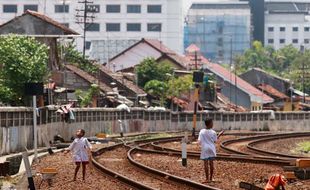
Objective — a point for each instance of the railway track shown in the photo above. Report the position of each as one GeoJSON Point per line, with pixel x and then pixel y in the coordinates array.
{"type": "Point", "coordinates": [137, 175]}
{"type": "Point", "coordinates": [151, 178]}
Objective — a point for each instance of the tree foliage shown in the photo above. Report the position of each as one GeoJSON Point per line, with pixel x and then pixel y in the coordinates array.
{"type": "Point", "coordinates": [149, 69]}
{"type": "Point", "coordinates": [285, 62]}
{"type": "Point", "coordinates": [158, 89]}
{"type": "Point", "coordinates": [22, 60]}
{"type": "Point", "coordinates": [72, 56]}
{"type": "Point", "coordinates": [85, 97]}
{"type": "Point", "coordinates": [180, 85]}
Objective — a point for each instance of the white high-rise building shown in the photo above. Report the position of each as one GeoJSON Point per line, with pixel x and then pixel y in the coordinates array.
{"type": "Point", "coordinates": [117, 24]}
{"type": "Point", "coordinates": [287, 22]}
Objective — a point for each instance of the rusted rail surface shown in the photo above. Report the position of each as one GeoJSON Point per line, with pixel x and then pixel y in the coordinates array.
{"type": "Point", "coordinates": [138, 146]}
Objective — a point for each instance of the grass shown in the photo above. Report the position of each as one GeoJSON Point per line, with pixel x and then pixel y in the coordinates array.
{"type": "Point", "coordinates": [303, 147]}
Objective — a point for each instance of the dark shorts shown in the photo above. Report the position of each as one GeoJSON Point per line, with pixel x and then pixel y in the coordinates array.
{"type": "Point", "coordinates": [210, 158]}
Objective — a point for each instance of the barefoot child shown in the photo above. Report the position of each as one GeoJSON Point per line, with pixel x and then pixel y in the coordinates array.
{"type": "Point", "coordinates": [207, 138]}
{"type": "Point", "coordinates": [79, 148]}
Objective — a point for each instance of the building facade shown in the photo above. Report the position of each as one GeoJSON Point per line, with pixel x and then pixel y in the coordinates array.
{"type": "Point", "coordinates": [220, 29]}
{"type": "Point", "coordinates": [287, 22]}
{"type": "Point", "coordinates": [117, 22]}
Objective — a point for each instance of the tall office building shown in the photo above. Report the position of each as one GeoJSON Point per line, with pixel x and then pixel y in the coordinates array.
{"type": "Point", "coordinates": [117, 24]}
{"type": "Point", "coordinates": [220, 29]}
{"type": "Point", "coordinates": [287, 22]}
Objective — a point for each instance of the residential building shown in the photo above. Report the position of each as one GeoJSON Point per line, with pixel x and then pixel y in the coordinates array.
{"type": "Point", "coordinates": [135, 54]}
{"type": "Point", "coordinates": [220, 29]}
{"type": "Point", "coordinates": [237, 91]}
{"type": "Point", "coordinates": [113, 21]}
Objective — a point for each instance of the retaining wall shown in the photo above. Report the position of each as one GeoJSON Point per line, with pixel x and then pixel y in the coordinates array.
{"type": "Point", "coordinates": [16, 127]}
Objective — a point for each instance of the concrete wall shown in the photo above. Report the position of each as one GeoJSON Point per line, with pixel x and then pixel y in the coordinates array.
{"type": "Point", "coordinates": [16, 130]}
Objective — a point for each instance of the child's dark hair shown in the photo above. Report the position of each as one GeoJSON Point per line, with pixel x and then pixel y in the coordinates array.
{"type": "Point", "coordinates": [82, 131]}
{"type": "Point", "coordinates": [208, 121]}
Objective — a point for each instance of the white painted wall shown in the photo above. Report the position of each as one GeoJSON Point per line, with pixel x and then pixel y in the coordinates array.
{"type": "Point", "coordinates": [171, 19]}
{"type": "Point", "coordinates": [288, 21]}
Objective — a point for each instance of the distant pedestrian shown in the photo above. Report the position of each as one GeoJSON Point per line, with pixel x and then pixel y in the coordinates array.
{"type": "Point", "coordinates": [207, 138]}
{"type": "Point", "coordinates": [79, 148]}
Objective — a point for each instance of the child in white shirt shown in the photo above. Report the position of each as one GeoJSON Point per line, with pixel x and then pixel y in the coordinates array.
{"type": "Point", "coordinates": [207, 138]}
{"type": "Point", "coordinates": [79, 148]}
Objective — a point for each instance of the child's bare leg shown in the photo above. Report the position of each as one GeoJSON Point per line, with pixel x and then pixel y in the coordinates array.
{"type": "Point", "coordinates": [76, 170]}
{"type": "Point", "coordinates": [206, 169]}
{"type": "Point", "coordinates": [84, 170]}
{"type": "Point", "coordinates": [211, 169]}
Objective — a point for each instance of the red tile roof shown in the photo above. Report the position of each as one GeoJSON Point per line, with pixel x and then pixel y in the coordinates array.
{"type": "Point", "coordinates": [232, 78]}
{"type": "Point", "coordinates": [158, 45]}
{"type": "Point", "coordinates": [192, 48]}
{"type": "Point", "coordinates": [241, 84]}
{"type": "Point", "coordinates": [272, 91]}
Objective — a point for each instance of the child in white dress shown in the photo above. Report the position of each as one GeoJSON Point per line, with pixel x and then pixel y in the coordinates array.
{"type": "Point", "coordinates": [79, 148]}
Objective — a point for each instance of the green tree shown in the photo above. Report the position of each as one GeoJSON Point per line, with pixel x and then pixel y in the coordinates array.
{"type": "Point", "coordinates": [22, 60]}
{"type": "Point", "coordinates": [85, 97]}
{"type": "Point", "coordinates": [149, 69]}
{"type": "Point", "coordinates": [296, 71]}
{"type": "Point", "coordinates": [257, 56]}
{"type": "Point", "coordinates": [180, 85]}
{"type": "Point", "coordinates": [72, 56]}
{"type": "Point", "coordinates": [284, 57]}
{"type": "Point", "coordinates": [158, 89]}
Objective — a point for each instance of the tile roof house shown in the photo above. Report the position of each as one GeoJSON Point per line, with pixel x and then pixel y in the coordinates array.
{"type": "Point", "coordinates": [237, 90]}
{"type": "Point", "coordinates": [257, 76]}
{"type": "Point", "coordinates": [43, 28]}
{"type": "Point", "coordinates": [132, 56]}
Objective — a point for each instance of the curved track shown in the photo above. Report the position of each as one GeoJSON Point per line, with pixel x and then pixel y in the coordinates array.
{"type": "Point", "coordinates": [169, 181]}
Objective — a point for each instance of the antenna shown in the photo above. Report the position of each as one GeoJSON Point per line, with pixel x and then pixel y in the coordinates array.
{"type": "Point", "coordinates": [83, 17]}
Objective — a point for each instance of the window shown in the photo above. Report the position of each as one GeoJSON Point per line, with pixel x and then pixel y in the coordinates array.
{"type": "Point", "coordinates": [154, 27]}
{"type": "Point", "coordinates": [133, 8]}
{"type": "Point", "coordinates": [10, 8]}
{"type": "Point", "coordinates": [113, 27]}
{"type": "Point", "coordinates": [307, 29]}
{"type": "Point", "coordinates": [270, 41]}
{"type": "Point", "coordinates": [306, 41]}
{"type": "Point", "coordinates": [295, 41]}
{"type": "Point", "coordinates": [282, 29]}
{"type": "Point", "coordinates": [295, 29]}
{"type": "Point", "coordinates": [87, 44]}
{"type": "Point", "coordinates": [65, 24]}
{"type": "Point", "coordinates": [282, 41]}
{"type": "Point", "coordinates": [93, 8]}
{"type": "Point", "coordinates": [61, 8]}
{"type": "Point", "coordinates": [133, 27]}
{"type": "Point", "coordinates": [270, 29]}
{"type": "Point", "coordinates": [113, 9]}
{"type": "Point", "coordinates": [93, 27]}
{"type": "Point", "coordinates": [154, 8]}
{"type": "Point", "coordinates": [220, 42]}
{"type": "Point", "coordinates": [30, 7]}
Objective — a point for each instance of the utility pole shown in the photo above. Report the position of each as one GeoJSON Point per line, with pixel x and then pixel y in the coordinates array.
{"type": "Point", "coordinates": [302, 49]}
{"type": "Point", "coordinates": [85, 19]}
{"type": "Point", "coordinates": [196, 59]}
{"type": "Point", "coordinates": [230, 65]}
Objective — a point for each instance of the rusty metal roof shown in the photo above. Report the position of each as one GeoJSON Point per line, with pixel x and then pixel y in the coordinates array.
{"type": "Point", "coordinates": [272, 91]}
{"type": "Point", "coordinates": [103, 87]}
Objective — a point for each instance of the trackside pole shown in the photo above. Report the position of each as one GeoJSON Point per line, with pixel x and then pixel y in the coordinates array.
{"type": "Point", "coordinates": [184, 152]}
{"type": "Point", "coordinates": [35, 130]}
{"type": "Point", "coordinates": [28, 171]}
